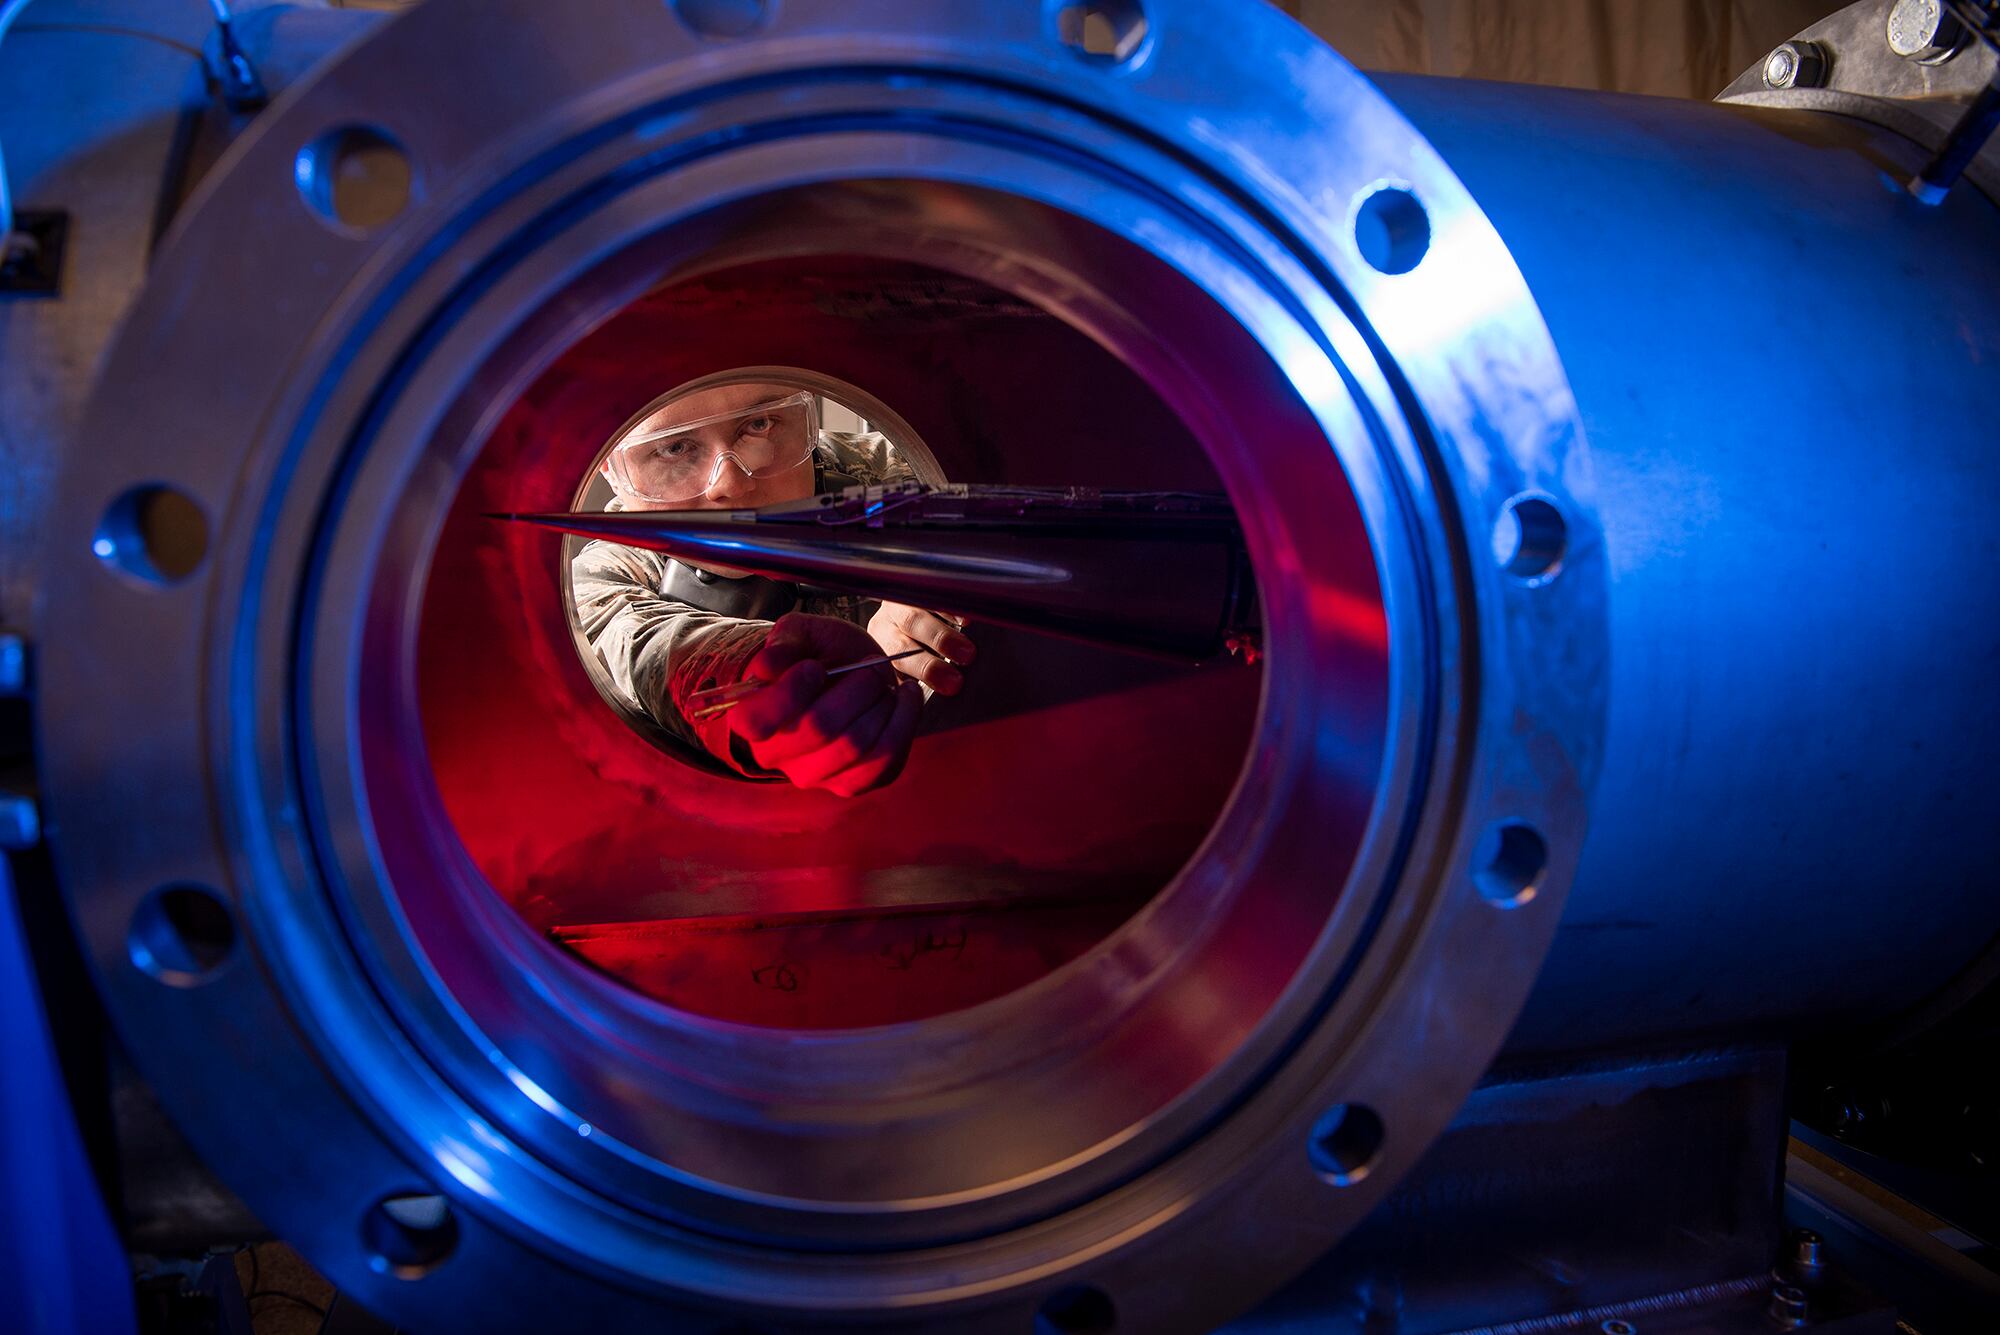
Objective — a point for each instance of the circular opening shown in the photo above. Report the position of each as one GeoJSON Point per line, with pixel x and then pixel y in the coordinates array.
{"type": "Point", "coordinates": [1510, 861]}
{"type": "Point", "coordinates": [722, 18]}
{"type": "Point", "coordinates": [1058, 870]}
{"type": "Point", "coordinates": [1345, 1142]}
{"type": "Point", "coordinates": [410, 1235]}
{"type": "Point", "coordinates": [1391, 230]}
{"type": "Point", "coordinates": [1077, 1311]}
{"type": "Point", "coordinates": [1058, 777]}
{"type": "Point", "coordinates": [1529, 538]}
{"type": "Point", "coordinates": [743, 440]}
{"type": "Point", "coordinates": [1618, 1326]}
{"type": "Point", "coordinates": [182, 935]}
{"type": "Point", "coordinates": [154, 534]}
{"type": "Point", "coordinates": [1107, 31]}
{"type": "Point", "coordinates": [357, 177]}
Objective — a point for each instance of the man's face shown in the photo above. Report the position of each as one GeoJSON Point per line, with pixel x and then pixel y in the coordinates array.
{"type": "Point", "coordinates": [727, 448]}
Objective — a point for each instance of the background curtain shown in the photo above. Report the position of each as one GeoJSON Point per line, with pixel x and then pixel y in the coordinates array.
{"type": "Point", "coordinates": [1674, 48]}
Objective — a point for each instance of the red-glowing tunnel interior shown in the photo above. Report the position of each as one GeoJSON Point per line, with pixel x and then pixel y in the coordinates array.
{"type": "Point", "coordinates": [1040, 808]}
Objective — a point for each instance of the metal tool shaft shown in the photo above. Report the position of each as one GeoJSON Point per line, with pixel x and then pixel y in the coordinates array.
{"type": "Point", "coordinates": [720, 699]}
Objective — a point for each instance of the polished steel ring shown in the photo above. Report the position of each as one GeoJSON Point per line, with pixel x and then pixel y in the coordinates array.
{"type": "Point", "coordinates": [1175, 1123]}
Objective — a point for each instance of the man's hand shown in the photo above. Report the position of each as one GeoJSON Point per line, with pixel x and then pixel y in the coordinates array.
{"type": "Point", "coordinates": [845, 734]}
{"type": "Point", "coordinates": [897, 627]}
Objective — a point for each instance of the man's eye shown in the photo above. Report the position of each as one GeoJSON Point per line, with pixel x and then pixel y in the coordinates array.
{"type": "Point", "coordinates": [674, 449]}
{"type": "Point", "coordinates": [762, 425]}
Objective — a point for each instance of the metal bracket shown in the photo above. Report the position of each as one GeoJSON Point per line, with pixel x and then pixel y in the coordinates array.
{"type": "Point", "coordinates": [1947, 102]}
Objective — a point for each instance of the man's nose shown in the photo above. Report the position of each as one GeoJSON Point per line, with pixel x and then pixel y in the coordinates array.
{"type": "Point", "coordinates": [728, 480]}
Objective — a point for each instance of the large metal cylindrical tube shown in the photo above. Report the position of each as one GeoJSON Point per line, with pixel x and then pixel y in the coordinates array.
{"type": "Point", "coordinates": [1612, 474]}
{"type": "Point", "coordinates": [1785, 367]}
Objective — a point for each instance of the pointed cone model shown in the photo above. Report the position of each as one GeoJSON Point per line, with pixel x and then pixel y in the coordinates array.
{"type": "Point", "coordinates": [1164, 572]}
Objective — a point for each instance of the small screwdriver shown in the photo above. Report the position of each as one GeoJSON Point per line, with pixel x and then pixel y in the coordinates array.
{"type": "Point", "coordinates": [703, 705]}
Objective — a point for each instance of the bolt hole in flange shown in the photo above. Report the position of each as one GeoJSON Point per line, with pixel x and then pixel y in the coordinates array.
{"type": "Point", "coordinates": [182, 935]}
{"type": "Point", "coordinates": [1529, 538]}
{"type": "Point", "coordinates": [1346, 1141]}
{"type": "Point", "coordinates": [356, 177]}
{"type": "Point", "coordinates": [1077, 1311]}
{"type": "Point", "coordinates": [1510, 860]}
{"type": "Point", "coordinates": [409, 1235]}
{"type": "Point", "coordinates": [1391, 230]}
{"type": "Point", "coordinates": [1106, 31]}
{"type": "Point", "coordinates": [154, 534]}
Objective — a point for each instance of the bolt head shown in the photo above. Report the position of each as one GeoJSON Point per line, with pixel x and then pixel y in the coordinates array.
{"type": "Point", "coordinates": [1925, 31]}
{"type": "Point", "coordinates": [1796, 65]}
{"type": "Point", "coordinates": [1788, 1306]}
{"type": "Point", "coordinates": [1808, 1250]}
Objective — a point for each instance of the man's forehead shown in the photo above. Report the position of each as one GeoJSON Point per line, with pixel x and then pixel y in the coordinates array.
{"type": "Point", "coordinates": [711, 402]}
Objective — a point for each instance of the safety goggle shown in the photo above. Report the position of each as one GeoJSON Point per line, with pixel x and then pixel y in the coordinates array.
{"type": "Point", "coordinates": [682, 460]}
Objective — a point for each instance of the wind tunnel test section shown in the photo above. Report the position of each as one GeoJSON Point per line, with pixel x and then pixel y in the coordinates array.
{"type": "Point", "coordinates": [1428, 678]}
{"type": "Point", "coordinates": [1054, 797]}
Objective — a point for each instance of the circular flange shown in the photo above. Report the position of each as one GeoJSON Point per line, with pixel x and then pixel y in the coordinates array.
{"type": "Point", "coordinates": [396, 1042]}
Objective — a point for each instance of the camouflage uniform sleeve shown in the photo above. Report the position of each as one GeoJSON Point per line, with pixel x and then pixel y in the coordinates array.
{"type": "Point", "coordinates": [658, 650]}
{"type": "Point", "coordinates": [867, 456]}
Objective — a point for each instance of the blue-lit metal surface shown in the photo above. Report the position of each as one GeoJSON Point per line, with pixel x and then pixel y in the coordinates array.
{"type": "Point", "coordinates": [1785, 368]}
{"type": "Point", "coordinates": [61, 1261]}
{"type": "Point", "coordinates": [402, 1032]}
{"type": "Point", "coordinates": [1570, 1196]}
{"type": "Point", "coordinates": [1775, 644]}
{"type": "Point", "coordinates": [98, 147]}
{"type": "Point", "coordinates": [106, 116]}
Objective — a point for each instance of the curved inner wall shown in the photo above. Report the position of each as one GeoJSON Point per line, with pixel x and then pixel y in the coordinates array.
{"type": "Point", "coordinates": [1040, 808]}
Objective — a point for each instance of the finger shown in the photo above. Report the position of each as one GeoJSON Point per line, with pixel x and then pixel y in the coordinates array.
{"type": "Point", "coordinates": [824, 719]}
{"type": "Point", "coordinates": [885, 760]}
{"type": "Point", "coordinates": [935, 673]}
{"type": "Point", "coordinates": [925, 667]}
{"type": "Point", "coordinates": [815, 768]}
{"type": "Point", "coordinates": [941, 636]}
{"type": "Point", "coordinates": [780, 704]}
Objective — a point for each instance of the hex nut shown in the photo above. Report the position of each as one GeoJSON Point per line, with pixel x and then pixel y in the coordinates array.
{"type": "Point", "coordinates": [1788, 1307]}
{"type": "Point", "coordinates": [1808, 1251]}
{"type": "Point", "coordinates": [1797, 65]}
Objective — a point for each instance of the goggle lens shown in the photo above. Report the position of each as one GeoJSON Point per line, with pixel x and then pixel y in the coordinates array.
{"type": "Point", "coordinates": [678, 462]}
